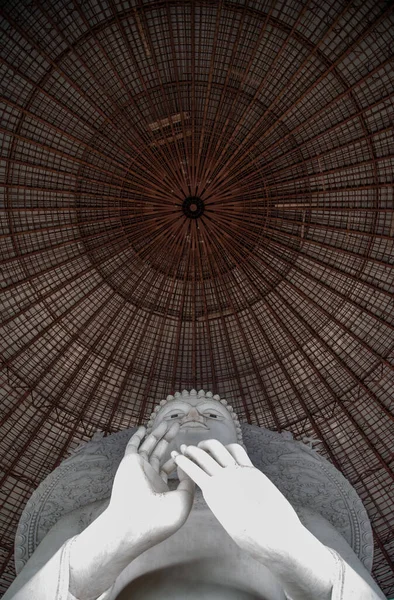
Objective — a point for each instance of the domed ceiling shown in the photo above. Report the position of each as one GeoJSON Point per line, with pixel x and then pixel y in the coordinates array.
{"type": "Point", "coordinates": [198, 194]}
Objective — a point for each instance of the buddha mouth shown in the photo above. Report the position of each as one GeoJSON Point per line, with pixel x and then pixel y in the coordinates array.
{"type": "Point", "coordinates": [193, 425]}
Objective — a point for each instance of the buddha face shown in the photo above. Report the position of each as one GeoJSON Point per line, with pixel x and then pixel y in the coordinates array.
{"type": "Point", "coordinates": [199, 419]}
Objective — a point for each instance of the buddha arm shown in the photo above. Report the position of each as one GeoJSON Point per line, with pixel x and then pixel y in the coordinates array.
{"type": "Point", "coordinates": [305, 567]}
{"type": "Point", "coordinates": [71, 564]}
{"type": "Point", "coordinates": [263, 523]}
{"type": "Point", "coordinates": [306, 574]}
{"type": "Point", "coordinates": [97, 557]}
{"type": "Point", "coordinates": [141, 513]}
{"type": "Point", "coordinates": [328, 535]}
{"type": "Point", "coordinates": [43, 568]}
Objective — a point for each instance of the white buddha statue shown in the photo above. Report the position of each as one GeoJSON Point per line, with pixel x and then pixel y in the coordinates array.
{"type": "Point", "coordinates": [235, 536]}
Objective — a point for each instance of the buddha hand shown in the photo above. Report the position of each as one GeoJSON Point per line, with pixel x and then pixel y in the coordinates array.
{"type": "Point", "coordinates": [259, 518]}
{"type": "Point", "coordinates": [248, 505]}
{"type": "Point", "coordinates": [141, 505]}
{"type": "Point", "coordinates": [142, 512]}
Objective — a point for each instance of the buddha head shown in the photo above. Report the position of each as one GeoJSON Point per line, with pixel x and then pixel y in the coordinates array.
{"type": "Point", "coordinates": [201, 416]}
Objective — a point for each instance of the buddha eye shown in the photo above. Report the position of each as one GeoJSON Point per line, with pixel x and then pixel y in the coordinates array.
{"type": "Point", "coordinates": [174, 415]}
{"type": "Point", "coordinates": [213, 414]}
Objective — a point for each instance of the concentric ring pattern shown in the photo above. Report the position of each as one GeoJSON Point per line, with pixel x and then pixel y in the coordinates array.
{"type": "Point", "coordinates": [198, 194]}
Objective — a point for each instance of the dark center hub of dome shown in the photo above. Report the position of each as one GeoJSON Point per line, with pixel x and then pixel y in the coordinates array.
{"type": "Point", "coordinates": [193, 207]}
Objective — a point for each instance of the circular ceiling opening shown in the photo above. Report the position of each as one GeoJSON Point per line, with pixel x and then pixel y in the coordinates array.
{"type": "Point", "coordinates": [193, 207]}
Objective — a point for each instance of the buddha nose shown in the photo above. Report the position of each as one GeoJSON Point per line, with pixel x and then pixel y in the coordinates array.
{"type": "Point", "coordinates": [192, 415]}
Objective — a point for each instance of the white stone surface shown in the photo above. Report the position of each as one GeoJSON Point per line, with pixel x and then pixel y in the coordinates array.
{"type": "Point", "coordinates": [211, 554]}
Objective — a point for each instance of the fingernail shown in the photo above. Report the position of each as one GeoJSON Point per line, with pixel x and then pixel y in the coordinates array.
{"type": "Point", "coordinates": [174, 453]}
{"type": "Point", "coordinates": [183, 448]}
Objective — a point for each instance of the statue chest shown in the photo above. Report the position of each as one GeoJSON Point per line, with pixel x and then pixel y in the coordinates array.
{"type": "Point", "coordinates": [199, 561]}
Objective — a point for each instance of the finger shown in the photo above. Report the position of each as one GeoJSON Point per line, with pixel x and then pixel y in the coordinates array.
{"type": "Point", "coordinates": [218, 452]}
{"type": "Point", "coordinates": [168, 467]}
{"type": "Point", "coordinates": [191, 469]}
{"type": "Point", "coordinates": [240, 455]}
{"type": "Point", "coordinates": [180, 501]}
{"type": "Point", "coordinates": [152, 439]}
{"type": "Point", "coordinates": [172, 432]}
{"type": "Point", "coordinates": [134, 441]}
{"type": "Point", "coordinates": [157, 453]}
{"type": "Point", "coordinates": [166, 470]}
{"type": "Point", "coordinates": [187, 485]}
{"type": "Point", "coordinates": [181, 474]}
{"type": "Point", "coordinates": [202, 459]}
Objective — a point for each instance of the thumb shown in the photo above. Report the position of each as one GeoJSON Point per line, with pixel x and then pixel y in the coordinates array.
{"type": "Point", "coordinates": [185, 491]}
{"type": "Point", "coordinates": [185, 482]}
{"type": "Point", "coordinates": [177, 504]}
